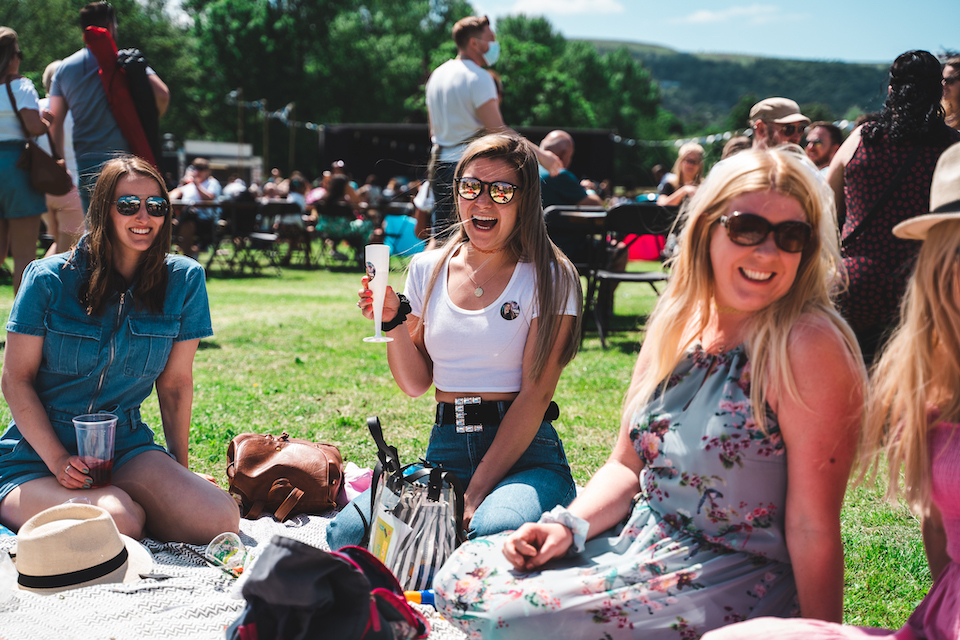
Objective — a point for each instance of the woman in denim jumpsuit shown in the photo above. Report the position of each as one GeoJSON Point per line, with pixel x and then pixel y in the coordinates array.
{"type": "Point", "coordinates": [93, 330]}
{"type": "Point", "coordinates": [493, 427]}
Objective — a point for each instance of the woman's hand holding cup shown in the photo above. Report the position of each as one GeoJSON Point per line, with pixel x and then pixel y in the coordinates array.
{"type": "Point", "coordinates": [391, 303]}
{"type": "Point", "coordinates": [71, 472]}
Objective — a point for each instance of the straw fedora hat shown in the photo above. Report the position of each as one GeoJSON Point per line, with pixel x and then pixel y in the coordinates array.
{"type": "Point", "coordinates": [944, 198]}
{"type": "Point", "coordinates": [76, 545]}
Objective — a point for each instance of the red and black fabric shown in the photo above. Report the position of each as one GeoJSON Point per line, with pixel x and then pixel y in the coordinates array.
{"type": "Point", "coordinates": [134, 65]}
{"type": "Point", "coordinates": [878, 263]}
{"type": "Point", "coordinates": [116, 84]}
{"type": "Point", "coordinates": [298, 592]}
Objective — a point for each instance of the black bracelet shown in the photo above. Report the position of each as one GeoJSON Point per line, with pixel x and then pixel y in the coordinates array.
{"type": "Point", "coordinates": [401, 316]}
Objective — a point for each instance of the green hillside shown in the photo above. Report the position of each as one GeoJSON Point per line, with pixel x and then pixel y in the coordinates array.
{"type": "Point", "coordinates": [703, 88]}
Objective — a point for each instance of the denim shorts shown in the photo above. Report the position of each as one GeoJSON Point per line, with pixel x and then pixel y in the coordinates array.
{"type": "Point", "coordinates": [18, 198]}
{"type": "Point", "coordinates": [20, 463]}
{"type": "Point", "coordinates": [537, 482]}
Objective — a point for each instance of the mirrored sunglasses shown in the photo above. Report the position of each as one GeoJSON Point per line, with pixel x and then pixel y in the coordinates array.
{"type": "Point", "coordinates": [749, 230]}
{"type": "Point", "coordinates": [790, 129]}
{"type": "Point", "coordinates": [157, 206]}
{"type": "Point", "coordinates": [815, 143]}
{"type": "Point", "coordinates": [471, 188]}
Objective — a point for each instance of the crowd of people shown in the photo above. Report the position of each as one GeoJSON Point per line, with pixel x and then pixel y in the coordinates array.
{"type": "Point", "coordinates": [810, 325]}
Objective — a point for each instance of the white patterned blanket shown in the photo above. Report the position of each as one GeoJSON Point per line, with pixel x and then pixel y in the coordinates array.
{"type": "Point", "coordinates": [196, 602]}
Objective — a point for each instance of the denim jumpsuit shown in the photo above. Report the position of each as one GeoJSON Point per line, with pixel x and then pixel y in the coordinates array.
{"type": "Point", "coordinates": [97, 363]}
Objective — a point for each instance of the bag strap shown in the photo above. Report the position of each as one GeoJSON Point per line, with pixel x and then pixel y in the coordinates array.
{"type": "Point", "coordinates": [288, 504]}
{"type": "Point", "coordinates": [438, 476]}
{"type": "Point", "coordinates": [23, 125]}
{"type": "Point", "coordinates": [387, 455]}
{"type": "Point", "coordinates": [893, 184]}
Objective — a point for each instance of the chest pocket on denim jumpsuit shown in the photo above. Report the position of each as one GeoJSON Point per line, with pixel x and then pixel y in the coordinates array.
{"type": "Point", "coordinates": [71, 346]}
{"type": "Point", "coordinates": [151, 338]}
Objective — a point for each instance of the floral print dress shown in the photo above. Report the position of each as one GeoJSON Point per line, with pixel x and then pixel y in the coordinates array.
{"type": "Point", "coordinates": [703, 546]}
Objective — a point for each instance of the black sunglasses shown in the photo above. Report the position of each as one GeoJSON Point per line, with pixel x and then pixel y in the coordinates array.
{"type": "Point", "coordinates": [950, 80]}
{"type": "Point", "coordinates": [790, 129]}
{"type": "Point", "coordinates": [471, 188]}
{"type": "Point", "coordinates": [157, 206]}
{"type": "Point", "coordinates": [749, 230]}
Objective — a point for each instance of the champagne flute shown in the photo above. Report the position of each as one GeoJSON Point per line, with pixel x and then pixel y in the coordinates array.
{"type": "Point", "coordinates": [377, 258]}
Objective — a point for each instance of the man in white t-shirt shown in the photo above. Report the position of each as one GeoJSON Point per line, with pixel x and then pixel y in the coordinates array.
{"type": "Point", "coordinates": [462, 103]}
{"type": "Point", "coordinates": [196, 223]}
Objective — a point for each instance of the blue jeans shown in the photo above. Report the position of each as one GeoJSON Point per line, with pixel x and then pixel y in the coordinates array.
{"type": "Point", "coordinates": [537, 482]}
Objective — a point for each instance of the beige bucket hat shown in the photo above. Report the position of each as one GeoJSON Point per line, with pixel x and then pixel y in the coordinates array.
{"type": "Point", "coordinates": [76, 545]}
{"type": "Point", "coordinates": [944, 198]}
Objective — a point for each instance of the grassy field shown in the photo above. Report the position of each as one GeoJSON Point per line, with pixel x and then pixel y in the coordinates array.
{"type": "Point", "coordinates": [287, 355]}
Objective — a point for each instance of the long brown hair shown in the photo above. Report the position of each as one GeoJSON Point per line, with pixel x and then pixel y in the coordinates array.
{"type": "Point", "coordinates": [556, 278]}
{"type": "Point", "coordinates": [100, 279]}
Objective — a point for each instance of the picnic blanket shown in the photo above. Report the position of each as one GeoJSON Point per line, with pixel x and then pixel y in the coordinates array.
{"type": "Point", "coordinates": [196, 601]}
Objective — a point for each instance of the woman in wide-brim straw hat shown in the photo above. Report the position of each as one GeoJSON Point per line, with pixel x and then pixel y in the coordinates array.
{"type": "Point", "coordinates": [914, 421]}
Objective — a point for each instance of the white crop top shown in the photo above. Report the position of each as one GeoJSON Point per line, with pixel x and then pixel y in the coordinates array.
{"type": "Point", "coordinates": [476, 351]}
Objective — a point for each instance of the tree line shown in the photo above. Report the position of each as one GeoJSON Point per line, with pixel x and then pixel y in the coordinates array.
{"type": "Point", "coordinates": [356, 61]}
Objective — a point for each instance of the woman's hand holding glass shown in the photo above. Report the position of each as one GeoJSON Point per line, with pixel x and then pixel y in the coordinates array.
{"type": "Point", "coordinates": [536, 543]}
{"type": "Point", "coordinates": [71, 472]}
{"type": "Point", "coordinates": [391, 303]}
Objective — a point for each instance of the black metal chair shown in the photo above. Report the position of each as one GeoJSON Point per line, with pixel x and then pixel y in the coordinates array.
{"type": "Point", "coordinates": [623, 226]}
{"type": "Point", "coordinates": [579, 232]}
{"type": "Point", "coordinates": [242, 243]}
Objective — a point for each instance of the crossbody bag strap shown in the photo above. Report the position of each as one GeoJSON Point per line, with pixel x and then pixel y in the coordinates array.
{"type": "Point", "coordinates": [893, 184]}
{"type": "Point", "coordinates": [23, 125]}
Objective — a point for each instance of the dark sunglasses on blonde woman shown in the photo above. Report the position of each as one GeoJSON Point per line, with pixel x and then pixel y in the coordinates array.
{"type": "Point", "coordinates": [749, 230]}
{"type": "Point", "coordinates": [471, 188]}
{"type": "Point", "coordinates": [157, 206]}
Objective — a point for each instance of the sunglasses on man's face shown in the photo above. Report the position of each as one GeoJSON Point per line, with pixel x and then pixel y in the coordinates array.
{"type": "Point", "coordinates": [815, 143]}
{"type": "Point", "coordinates": [157, 206]}
{"type": "Point", "coordinates": [749, 230]}
{"type": "Point", "coordinates": [471, 188]}
{"type": "Point", "coordinates": [790, 129]}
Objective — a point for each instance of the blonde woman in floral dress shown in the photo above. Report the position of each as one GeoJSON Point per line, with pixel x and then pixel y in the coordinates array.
{"type": "Point", "coordinates": [739, 430]}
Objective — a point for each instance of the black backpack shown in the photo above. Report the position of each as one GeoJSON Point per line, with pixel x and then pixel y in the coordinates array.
{"type": "Point", "coordinates": [295, 591]}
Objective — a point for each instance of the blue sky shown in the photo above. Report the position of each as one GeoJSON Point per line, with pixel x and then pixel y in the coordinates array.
{"type": "Point", "coordinates": [847, 30]}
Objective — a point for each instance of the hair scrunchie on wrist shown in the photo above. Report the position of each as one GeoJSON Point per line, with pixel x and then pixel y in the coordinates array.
{"type": "Point", "coordinates": [401, 316]}
{"type": "Point", "coordinates": [578, 526]}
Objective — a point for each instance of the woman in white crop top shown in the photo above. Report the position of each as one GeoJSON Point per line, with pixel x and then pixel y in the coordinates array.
{"type": "Point", "coordinates": [491, 320]}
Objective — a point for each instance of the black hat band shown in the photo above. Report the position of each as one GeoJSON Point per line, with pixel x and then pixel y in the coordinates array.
{"type": "Point", "coordinates": [74, 577]}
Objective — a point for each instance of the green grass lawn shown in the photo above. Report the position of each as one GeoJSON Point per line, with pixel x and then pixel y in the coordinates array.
{"type": "Point", "coordinates": [287, 355]}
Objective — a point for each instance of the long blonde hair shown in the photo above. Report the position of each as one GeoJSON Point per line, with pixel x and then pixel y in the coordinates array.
{"type": "Point", "coordinates": [555, 276]}
{"type": "Point", "coordinates": [919, 370]}
{"type": "Point", "coordinates": [677, 171]}
{"type": "Point", "coordinates": [684, 309]}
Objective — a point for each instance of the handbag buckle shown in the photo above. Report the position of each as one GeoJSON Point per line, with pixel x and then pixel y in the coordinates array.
{"type": "Point", "coordinates": [459, 405]}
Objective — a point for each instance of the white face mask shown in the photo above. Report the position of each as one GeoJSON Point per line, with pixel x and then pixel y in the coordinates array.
{"type": "Point", "coordinates": [492, 54]}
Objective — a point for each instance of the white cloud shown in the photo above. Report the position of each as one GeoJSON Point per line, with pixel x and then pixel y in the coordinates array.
{"type": "Point", "coordinates": [753, 14]}
{"type": "Point", "coordinates": [566, 7]}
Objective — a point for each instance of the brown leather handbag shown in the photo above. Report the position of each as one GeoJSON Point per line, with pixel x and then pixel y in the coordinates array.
{"type": "Point", "coordinates": [285, 475]}
{"type": "Point", "coordinates": [47, 175]}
